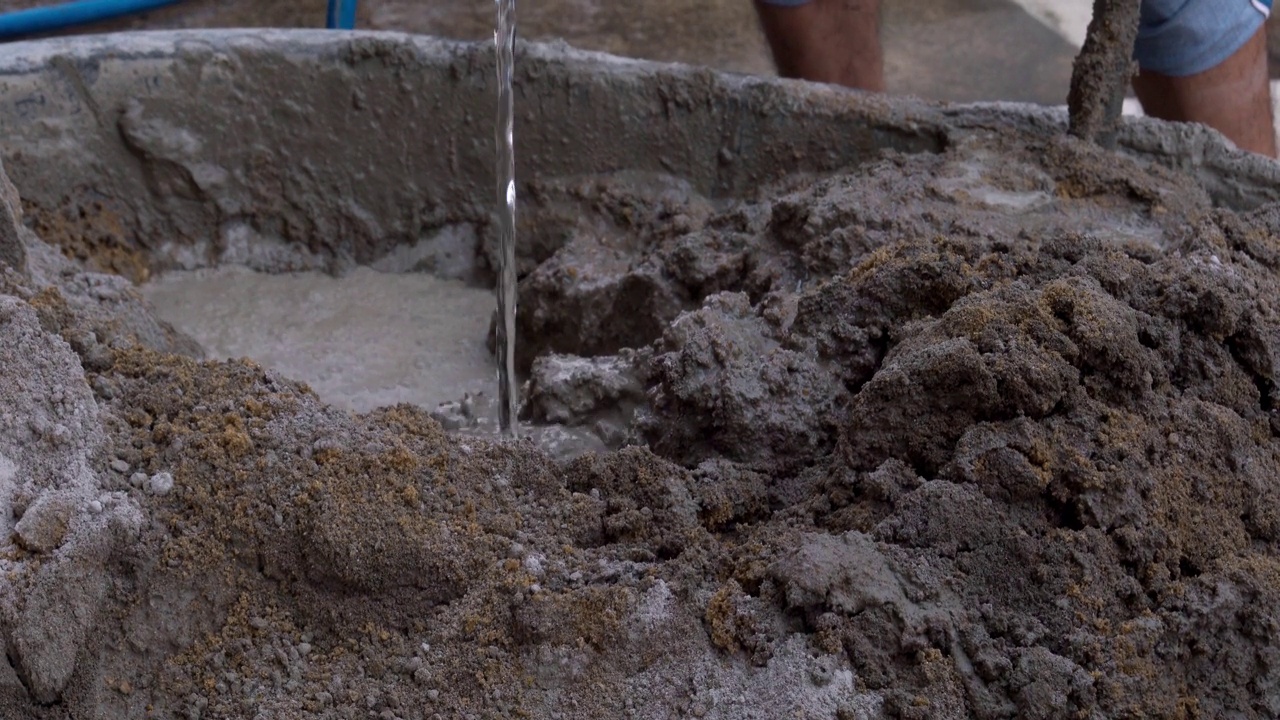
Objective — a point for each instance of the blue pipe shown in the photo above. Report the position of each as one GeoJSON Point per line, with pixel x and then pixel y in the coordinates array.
{"type": "Point", "coordinates": [70, 14]}
{"type": "Point", "coordinates": [342, 15]}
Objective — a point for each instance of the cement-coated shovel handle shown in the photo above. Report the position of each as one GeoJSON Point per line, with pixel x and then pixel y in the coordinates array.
{"type": "Point", "coordinates": [1102, 71]}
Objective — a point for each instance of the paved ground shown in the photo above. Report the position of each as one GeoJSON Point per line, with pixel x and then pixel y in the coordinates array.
{"type": "Point", "coordinates": [939, 49]}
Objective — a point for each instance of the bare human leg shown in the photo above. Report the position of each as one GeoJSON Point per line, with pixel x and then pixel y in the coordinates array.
{"type": "Point", "coordinates": [1233, 97]}
{"type": "Point", "coordinates": [831, 41]}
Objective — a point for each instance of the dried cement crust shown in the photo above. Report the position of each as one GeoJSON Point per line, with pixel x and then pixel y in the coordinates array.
{"type": "Point", "coordinates": [984, 432]}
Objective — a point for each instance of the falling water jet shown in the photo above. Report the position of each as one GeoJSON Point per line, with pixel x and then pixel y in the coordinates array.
{"type": "Point", "coordinates": [504, 41]}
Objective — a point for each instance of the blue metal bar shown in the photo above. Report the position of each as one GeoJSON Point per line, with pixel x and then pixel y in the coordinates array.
{"type": "Point", "coordinates": [71, 14]}
{"type": "Point", "coordinates": [342, 15]}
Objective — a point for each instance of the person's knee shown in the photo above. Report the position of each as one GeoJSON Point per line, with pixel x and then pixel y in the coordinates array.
{"type": "Point", "coordinates": [1179, 38]}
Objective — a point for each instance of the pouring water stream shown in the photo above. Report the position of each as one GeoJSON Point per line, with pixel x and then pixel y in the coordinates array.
{"type": "Point", "coordinates": [504, 42]}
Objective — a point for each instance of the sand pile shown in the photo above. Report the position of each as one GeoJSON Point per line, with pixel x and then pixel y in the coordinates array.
{"type": "Point", "coordinates": [984, 433]}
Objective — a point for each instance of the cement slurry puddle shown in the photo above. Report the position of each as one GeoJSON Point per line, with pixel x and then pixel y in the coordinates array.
{"type": "Point", "coordinates": [365, 340]}
{"type": "Point", "coordinates": [361, 341]}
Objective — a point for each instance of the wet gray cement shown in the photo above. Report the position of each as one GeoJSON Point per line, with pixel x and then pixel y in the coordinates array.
{"type": "Point", "coordinates": [364, 340]}
{"type": "Point", "coordinates": [975, 421]}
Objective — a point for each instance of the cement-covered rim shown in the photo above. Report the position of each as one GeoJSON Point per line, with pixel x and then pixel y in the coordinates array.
{"type": "Point", "coordinates": [29, 55]}
{"type": "Point", "coordinates": [1234, 178]}
{"type": "Point", "coordinates": [34, 55]}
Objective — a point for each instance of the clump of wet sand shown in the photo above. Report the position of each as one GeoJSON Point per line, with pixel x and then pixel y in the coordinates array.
{"type": "Point", "coordinates": [983, 433]}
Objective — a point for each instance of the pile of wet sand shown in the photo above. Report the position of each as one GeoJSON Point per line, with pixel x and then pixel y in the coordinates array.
{"type": "Point", "coordinates": [985, 433]}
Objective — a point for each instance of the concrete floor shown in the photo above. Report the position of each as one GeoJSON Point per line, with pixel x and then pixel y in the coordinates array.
{"type": "Point", "coordinates": [958, 50]}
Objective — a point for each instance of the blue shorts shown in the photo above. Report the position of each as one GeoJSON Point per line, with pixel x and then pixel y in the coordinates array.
{"type": "Point", "coordinates": [1183, 37]}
